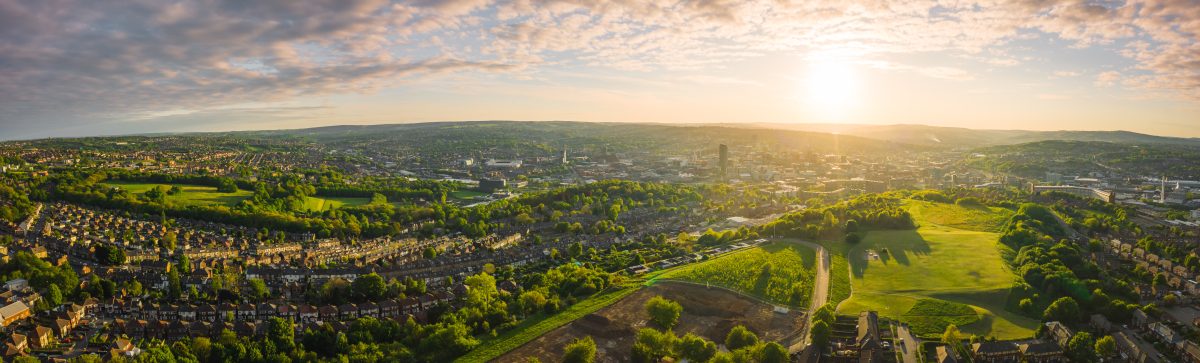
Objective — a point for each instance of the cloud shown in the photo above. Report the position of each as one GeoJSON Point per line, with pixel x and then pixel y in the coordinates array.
{"type": "Point", "coordinates": [1052, 97]}
{"type": "Point", "coordinates": [1107, 79]}
{"type": "Point", "coordinates": [78, 61]}
{"type": "Point", "coordinates": [104, 58]}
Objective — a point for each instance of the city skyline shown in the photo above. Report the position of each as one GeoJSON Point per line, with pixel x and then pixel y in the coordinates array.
{"type": "Point", "coordinates": [89, 68]}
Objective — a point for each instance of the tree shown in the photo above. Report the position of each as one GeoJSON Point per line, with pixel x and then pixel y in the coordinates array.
{"type": "Point", "coordinates": [853, 238]}
{"type": "Point", "coordinates": [1026, 305]}
{"type": "Point", "coordinates": [87, 358]}
{"type": "Point", "coordinates": [226, 185]}
{"type": "Point", "coordinates": [258, 290]}
{"type": "Point", "coordinates": [1106, 346]}
{"type": "Point", "coordinates": [740, 337]}
{"type": "Point", "coordinates": [174, 284]}
{"type": "Point", "coordinates": [820, 333]}
{"type": "Point", "coordinates": [652, 345]}
{"type": "Point", "coordinates": [184, 265]}
{"type": "Point", "coordinates": [54, 296]}
{"type": "Point", "coordinates": [696, 349]}
{"type": "Point", "coordinates": [282, 333]}
{"type": "Point", "coordinates": [531, 301]}
{"type": "Point", "coordinates": [575, 249]}
{"type": "Point", "coordinates": [1080, 347]}
{"type": "Point", "coordinates": [773, 353]}
{"type": "Point", "coordinates": [825, 313]}
{"type": "Point", "coordinates": [109, 255]}
{"type": "Point", "coordinates": [169, 240]}
{"type": "Point", "coordinates": [481, 289]}
{"type": "Point", "coordinates": [665, 313]}
{"type": "Point", "coordinates": [582, 350]}
{"type": "Point", "coordinates": [851, 226]}
{"type": "Point", "coordinates": [683, 238]}
{"type": "Point", "coordinates": [952, 336]}
{"type": "Point", "coordinates": [1064, 309]}
{"type": "Point", "coordinates": [368, 287]}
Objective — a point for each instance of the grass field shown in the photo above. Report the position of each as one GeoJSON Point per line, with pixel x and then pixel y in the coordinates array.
{"type": "Point", "coordinates": [535, 326]}
{"type": "Point", "coordinates": [940, 262]}
{"type": "Point", "coordinates": [789, 280]}
{"type": "Point", "coordinates": [839, 279]}
{"type": "Point", "coordinates": [930, 316]}
{"type": "Point", "coordinates": [973, 218]}
{"type": "Point", "coordinates": [327, 203]}
{"type": "Point", "coordinates": [198, 195]}
{"type": "Point", "coordinates": [466, 194]}
{"type": "Point", "coordinates": [208, 196]}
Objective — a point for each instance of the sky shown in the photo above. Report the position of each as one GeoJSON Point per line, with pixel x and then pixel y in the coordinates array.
{"type": "Point", "coordinates": [104, 67]}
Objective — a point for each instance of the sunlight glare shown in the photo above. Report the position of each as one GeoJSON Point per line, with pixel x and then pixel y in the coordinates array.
{"type": "Point", "coordinates": [831, 88]}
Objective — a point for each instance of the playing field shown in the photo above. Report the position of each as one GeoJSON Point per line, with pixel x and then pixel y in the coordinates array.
{"type": "Point", "coordinates": [198, 195]}
{"type": "Point", "coordinates": [781, 273]}
{"type": "Point", "coordinates": [929, 276]}
{"type": "Point", "coordinates": [327, 203]}
{"type": "Point", "coordinates": [466, 194]}
{"type": "Point", "coordinates": [972, 218]}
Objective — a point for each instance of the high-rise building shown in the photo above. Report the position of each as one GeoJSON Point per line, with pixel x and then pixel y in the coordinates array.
{"type": "Point", "coordinates": [564, 155]}
{"type": "Point", "coordinates": [724, 157]}
{"type": "Point", "coordinates": [1162, 191]}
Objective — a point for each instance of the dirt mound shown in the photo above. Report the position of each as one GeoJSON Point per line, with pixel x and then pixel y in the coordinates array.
{"type": "Point", "coordinates": [707, 312]}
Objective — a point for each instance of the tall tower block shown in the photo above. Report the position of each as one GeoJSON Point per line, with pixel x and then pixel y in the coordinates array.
{"type": "Point", "coordinates": [724, 160]}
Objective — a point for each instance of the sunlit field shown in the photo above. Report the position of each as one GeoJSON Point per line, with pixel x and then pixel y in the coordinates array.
{"type": "Point", "coordinates": [931, 276]}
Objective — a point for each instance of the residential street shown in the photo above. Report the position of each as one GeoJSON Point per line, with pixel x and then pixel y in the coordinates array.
{"type": "Point", "coordinates": [820, 288]}
{"type": "Point", "coordinates": [910, 344]}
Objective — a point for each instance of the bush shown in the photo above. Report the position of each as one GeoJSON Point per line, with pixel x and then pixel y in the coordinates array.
{"type": "Point", "coordinates": [853, 238]}
{"type": "Point", "coordinates": [664, 313]}
{"type": "Point", "coordinates": [582, 350]}
{"type": "Point", "coordinates": [696, 349]}
{"type": "Point", "coordinates": [740, 337]}
{"type": "Point", "coordinates": [969, 202]}
{"type": "Point", "coordinates": [1064, 309]}
{"type": "Point", "coordinates": [773, 353]}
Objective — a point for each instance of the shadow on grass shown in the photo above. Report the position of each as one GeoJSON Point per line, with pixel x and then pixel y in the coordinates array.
{"type": "Point", "coordinates": [995, 301]}
{"type": "Point", "coordinates": [225, 200]}
{"type": "Point", "coordinates": [899, 244]}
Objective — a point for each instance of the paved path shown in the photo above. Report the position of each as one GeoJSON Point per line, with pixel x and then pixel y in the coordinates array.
{"type": "Point", "coordinates": [910, 346]}
{"type": "Point", "coordinates": [820, 289]}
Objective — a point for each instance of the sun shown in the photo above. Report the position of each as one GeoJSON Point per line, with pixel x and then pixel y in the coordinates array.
{"type": "Point", "coordinates": [830, 88]}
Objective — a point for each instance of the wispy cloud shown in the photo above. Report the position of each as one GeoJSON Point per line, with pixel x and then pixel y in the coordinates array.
{"type": "Point", "coordinates": [79, 61]}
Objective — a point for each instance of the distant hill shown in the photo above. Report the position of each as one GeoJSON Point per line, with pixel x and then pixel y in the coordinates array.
{"type": "Point", "coordinates": [549, 135]}
{"type": "Point", "coordinates": [964, 137]}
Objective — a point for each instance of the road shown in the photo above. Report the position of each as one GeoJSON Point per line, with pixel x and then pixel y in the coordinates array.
{"type": "Point", "coordinates": [911, 343]}
{"type": "Point", "coordinates": [820, 289]}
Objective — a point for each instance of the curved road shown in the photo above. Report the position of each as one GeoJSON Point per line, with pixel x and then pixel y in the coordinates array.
{"type": "Point", "coordinates": [820, 289]}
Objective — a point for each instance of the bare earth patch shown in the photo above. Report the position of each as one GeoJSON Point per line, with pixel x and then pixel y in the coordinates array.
{"type": "Point", "coordinates": [707, 312]}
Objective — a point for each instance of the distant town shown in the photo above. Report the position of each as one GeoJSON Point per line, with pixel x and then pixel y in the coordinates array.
{"type": "Point", "coordinates": [631, 242]}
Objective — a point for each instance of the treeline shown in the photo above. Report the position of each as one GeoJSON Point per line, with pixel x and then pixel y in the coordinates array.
{"type": "Point", "coordinates": [873, 211]}
{"type": "Point", "coordinates": [484, 311]}
{"type": "Point", "coordinates": [660, 344]}
{"type": "Point", "coordinates": [223, 184]}
{"type": "Point", "coordinates": [394, 188]}
{"type": "Point", "coordinates": [1092, 216]}
{"type": "Point", "coordinates": [970, 197]}
{"type": "Point", "coordinates": [15, 206]}
{"type": "Point", "coordinates": [55, 283]}
{"type": "Point", "coordinates": [607, 199]}
{"type": "Point", "coordinates": [279, 204]}
{"type": "Point", "coordinates": [1057, 281]}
